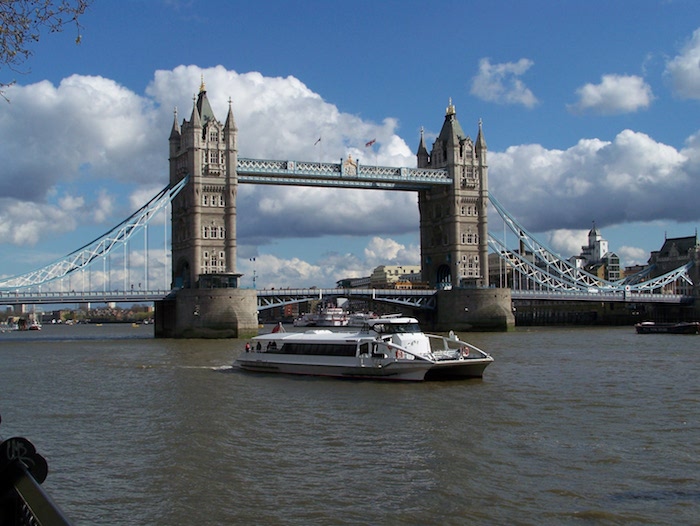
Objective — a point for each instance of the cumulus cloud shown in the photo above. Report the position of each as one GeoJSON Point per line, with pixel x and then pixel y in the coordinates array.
{"type": "Point", "coordinates": [381, 251]}
{"type": "Point", "coordinates": [501, 83]}
{"type": "Point", "coordinates": [331, 267]}
{"type": "Point", "coordinates": [631, 178]}
{"type": "Point", "coordinates": [566, 242]}
{"type": "Point", "coordinates": [615, 94]}
{"type": "Point", "coordinates": [632, 255]}
{"type": "Point", "coordinates": [23, 224]}
{"type": "Point", "coordinates": [683, 71]}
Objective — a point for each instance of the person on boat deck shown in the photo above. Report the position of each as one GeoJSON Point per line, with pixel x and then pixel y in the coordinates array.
{"type": "Point", "coordinates": [258, 347]}
{"type": "Point", "coordinates": [247, 346]}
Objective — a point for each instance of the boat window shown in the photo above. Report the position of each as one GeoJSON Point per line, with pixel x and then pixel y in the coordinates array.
{"type": "Point", "coordinates": [396, 328]}
{"type": "Point", "coordinates": [320, 349]}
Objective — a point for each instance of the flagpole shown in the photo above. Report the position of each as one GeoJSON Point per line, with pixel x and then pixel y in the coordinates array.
{"type": "Point", "coordinates": [370, 144]}
{"type": "Point", "coordinates": [320, 149]}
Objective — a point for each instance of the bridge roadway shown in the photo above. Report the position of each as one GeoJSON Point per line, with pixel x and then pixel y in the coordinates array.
{"type": "Point", "coordinates": [269, 298]}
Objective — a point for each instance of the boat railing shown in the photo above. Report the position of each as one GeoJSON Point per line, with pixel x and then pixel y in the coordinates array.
{"type": "Point", "coordinates": [441, 348]}
{"type": "Point", "coordinates": [23, 502]}
{"type": "Point", "coordinates": [447, 346]}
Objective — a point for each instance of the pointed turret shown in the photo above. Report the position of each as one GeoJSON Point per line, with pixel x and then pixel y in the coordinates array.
{"type": "Point", "coordinates": [206, 114]}
{"type": "Point", "coordinates": [230, 121]}
{"type": "Point", "coordinates": [195, 121]}
{"type": "Point", "coordinates": [480, 141]}
{"type": "Point", "coordinates": [422, 153]}
{"type": "Point", "coordinates": [175, 133]}
{"type": "Point", "coordinates": [451, 132]}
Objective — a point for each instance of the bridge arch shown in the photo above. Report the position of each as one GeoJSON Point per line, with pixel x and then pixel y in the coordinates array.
{"type": "Point", "coordinates": [443, 278]}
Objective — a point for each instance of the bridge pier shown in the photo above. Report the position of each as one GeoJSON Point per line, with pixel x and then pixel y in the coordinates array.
{"type": "Point", "coordinates": [208, 313]}
{"type": "Point", "coordinates": [474, 309]}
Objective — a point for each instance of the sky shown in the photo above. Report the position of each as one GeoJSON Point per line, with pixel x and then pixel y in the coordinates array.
{"type": "Point", "coordinates": [590, 110]}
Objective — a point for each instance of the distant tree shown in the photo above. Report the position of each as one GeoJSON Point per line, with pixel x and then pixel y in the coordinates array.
{"type": "Point", "coordinates": [21, 24]}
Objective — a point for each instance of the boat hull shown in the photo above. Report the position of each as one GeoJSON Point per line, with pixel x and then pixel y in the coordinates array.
{"type": "Point", "coordinates": [366, 368]}
{"type": "Point", "coordinates": [668, 328]}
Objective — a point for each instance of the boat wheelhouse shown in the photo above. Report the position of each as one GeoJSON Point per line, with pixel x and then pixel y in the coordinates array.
{"type": "Point", "coordinates": [392, 348]}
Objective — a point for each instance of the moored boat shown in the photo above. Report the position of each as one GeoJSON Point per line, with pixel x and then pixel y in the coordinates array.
{"type": "Point", "coordinates": [358, 319]}
{"type": "Point", "coordinates": [327, 317]}
{"type": "Point", "coordinates": [650, 327]}
{"type": "Point", "coordinates": [392, 348]}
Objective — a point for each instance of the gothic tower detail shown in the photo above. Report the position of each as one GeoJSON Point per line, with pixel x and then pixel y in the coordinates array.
{"type": "Point", "coordinates": [204, 212]}
{"type": "Point", "coordinates": [453, 219]}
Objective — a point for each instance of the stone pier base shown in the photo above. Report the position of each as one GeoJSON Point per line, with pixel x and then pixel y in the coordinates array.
{"type": "Point", "coordinates": [488, 309]}
{"type": "Point", "coordinates": [208, 313]}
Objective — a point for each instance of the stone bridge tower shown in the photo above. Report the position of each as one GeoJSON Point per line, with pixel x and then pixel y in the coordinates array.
{"type": "Point", "coordinates": [453, 220]}
{"type": "Point", "coordinates": [207, 302]}
{"type": "Point", "coordinates": [204, 213]}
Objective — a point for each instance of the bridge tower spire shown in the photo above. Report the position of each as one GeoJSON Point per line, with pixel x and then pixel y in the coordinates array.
{"type": "Point", "coordinates": [204, 213]}
{"type": "Point", "coordinates": [453, 220]}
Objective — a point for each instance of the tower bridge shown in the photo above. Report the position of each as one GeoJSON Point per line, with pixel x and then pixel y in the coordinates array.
{"type": "Point", "coordinates": [451, 181]}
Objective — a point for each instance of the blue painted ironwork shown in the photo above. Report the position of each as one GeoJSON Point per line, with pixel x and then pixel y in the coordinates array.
{"type": "Point", "coordinates": [101, 246]}
{"type": "Point", "coordinates": [418, 299]}
{"type": "Point", "coordinates": [345, 175]}
{"type": "Point", "coordinates": [553, 273]}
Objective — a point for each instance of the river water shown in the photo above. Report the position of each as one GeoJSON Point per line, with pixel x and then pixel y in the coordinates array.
{"type": "Point", "coordinates": [568, 426]}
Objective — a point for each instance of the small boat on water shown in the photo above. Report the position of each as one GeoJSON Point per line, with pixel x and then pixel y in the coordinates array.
{"type": "Point", "coordinates": [650, 327]}
{"type": "Point", "coordinates": [358, 319]}
{"type": "Point", "coordinates": [392, 348]}
{"type": "Point", "coordinates": [28, 325]}
{"type": "Point", "coordinates": [326, 317]}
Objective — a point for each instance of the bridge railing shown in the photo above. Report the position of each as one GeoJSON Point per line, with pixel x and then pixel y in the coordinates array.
{"type": "Point", "coordinates": [628, 297]}
{"type": "Point", "coordinates": [16, 297]}
{"type": "Point", "coordinates": [339, 174]}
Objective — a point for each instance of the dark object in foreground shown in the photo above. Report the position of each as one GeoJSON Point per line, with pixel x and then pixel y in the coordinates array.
{"type": "Point", "coordinates": [650, 327]}
{"type": "Point", "coordinates": [22, 499]}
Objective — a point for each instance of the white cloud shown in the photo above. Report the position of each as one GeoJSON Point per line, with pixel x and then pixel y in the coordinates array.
{"type": "Point", "coordinates": [632, 178]}
{"type": "Point", "coordinates": [281, 118]}
{"type": "Point", "coordinates": [683, 71]}
{"type": "Point", "coordinates": [566, 242]}
{"type": "Point", "coordinates": [615, 94]}
{"type": "Point", "coordinates": [22, 223]}
{"type": "Point", "coordinates": [632, 255]}
{"type": "Point", "coordinates": [274, 271]}
{"type": "Point", "coordinates": [501, 83]}
{"type": "Point", "coordinates": [104, 206]}
{"type": "Point", "coordinates": [381, 251]}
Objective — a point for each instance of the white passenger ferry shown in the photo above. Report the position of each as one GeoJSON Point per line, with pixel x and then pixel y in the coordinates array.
{"type": "Point", "coordinates": [392, 348]}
